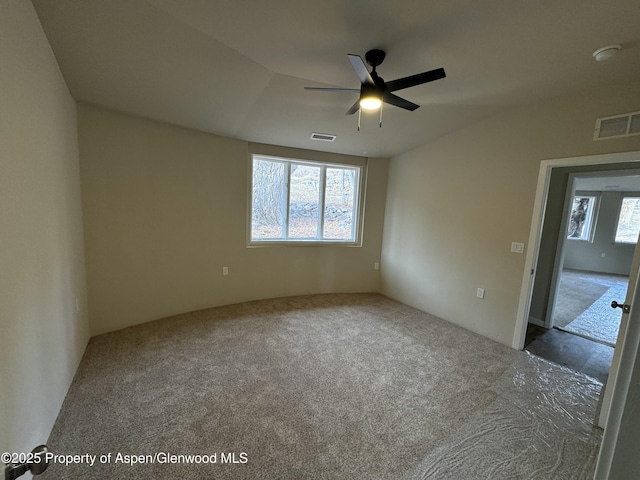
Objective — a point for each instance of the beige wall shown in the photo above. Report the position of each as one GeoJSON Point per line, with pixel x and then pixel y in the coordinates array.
{"type": "Point", "coordinates": [454, 206]}
{"type": "Point", "coordinates": [42, 338]}
{"type": "Point", "coordinates": [165, 209]}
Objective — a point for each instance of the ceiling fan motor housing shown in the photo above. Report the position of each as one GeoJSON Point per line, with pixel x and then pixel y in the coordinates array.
{"type": "Point", "coordinates": [375, 57]}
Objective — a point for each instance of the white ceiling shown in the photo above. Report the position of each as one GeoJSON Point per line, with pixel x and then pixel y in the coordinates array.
{"type": "Point", "coordinates": [238, 67]}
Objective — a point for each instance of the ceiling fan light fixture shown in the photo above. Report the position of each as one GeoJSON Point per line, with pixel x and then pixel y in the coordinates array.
{"type": "Point", "coordinates": [370, 102]}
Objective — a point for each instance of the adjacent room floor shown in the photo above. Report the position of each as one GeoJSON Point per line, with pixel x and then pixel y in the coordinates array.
{"type": "Point", "coordinates": [583, 304]}
{"type": "Point", "coordinates": [322, 386]}
{"type": "Point", "coordinates": [572, 351]}
{"type": "Point", "coordinates": [586, 325]}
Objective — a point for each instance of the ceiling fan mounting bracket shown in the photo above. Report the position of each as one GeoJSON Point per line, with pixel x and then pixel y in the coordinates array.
{"type": "Point", "coordinates": [375, 57]}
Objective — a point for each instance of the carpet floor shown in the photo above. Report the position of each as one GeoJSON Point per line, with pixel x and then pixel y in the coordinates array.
{"type": "Point", "coordinates": [576, 293]}
{"type": "Point", "coordinates": [324, 386]}
{"type": "Point", "coordinates": [584, 304]}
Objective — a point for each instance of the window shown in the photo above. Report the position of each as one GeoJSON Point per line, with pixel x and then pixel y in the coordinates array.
{"type": "Point", "coordinates": [300, 201]}
{"type": "Point", "coordinates": [628, 221]}
{"type": "Point", "coordinates": [581, 219]}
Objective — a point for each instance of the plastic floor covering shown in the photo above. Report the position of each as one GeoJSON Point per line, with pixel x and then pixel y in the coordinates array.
{"type": "Point", "coordinates": [542, 411]}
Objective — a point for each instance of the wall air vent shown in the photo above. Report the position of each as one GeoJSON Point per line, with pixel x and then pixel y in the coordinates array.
{"type": "Point", "coordinates": [325, 137]}
{"type": "Point", "coordinates": [617, 126]}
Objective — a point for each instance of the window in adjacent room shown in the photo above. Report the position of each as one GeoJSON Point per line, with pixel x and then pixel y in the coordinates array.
{"type": "Point", "coordinates": [628, 221]}
{"type": "Point", "coordinates": [303, 201]}
{"type": "Point", "coordinates": [581, 219]}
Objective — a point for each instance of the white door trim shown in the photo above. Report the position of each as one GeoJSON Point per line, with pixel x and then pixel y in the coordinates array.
{"type": "Point", "coordinates": [559, 260]}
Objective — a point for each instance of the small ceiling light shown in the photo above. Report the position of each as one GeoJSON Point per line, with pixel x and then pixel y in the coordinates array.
{"type": "Point", "coordinates": [605, 53]}
{"type": "Point", "coordinates": [370, 102]}
{"type": "Point", "coordinates": [370, 99]}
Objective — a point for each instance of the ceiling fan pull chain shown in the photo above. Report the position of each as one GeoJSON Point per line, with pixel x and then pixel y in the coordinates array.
{"type": "Point", "coordinates": [381, 115]}
{"type": "Point", "coordinates": [359, 114]}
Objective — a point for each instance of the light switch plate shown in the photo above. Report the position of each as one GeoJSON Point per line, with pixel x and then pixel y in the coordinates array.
{"type": "Point", "coordinates": [517, 247]}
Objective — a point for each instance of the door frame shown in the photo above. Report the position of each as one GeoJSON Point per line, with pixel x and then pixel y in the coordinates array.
{"type": "Point", "coordinates": [531, 261]}
{"type": "Point", "coordinates": [559, 258]}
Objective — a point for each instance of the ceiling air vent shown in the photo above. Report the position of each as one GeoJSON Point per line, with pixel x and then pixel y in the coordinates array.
{"type": "Point", "coordinates": [325, 137]}
{"type": "Point", "coordinates": [617, 126]}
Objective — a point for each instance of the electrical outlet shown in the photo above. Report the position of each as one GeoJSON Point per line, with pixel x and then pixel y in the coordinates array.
{"type": "Point", "coordinates": [225, 270]}
{"type": "Point", "coordinates": [480, 293]}
{"type": "Point", "coordinates": [376, 266]}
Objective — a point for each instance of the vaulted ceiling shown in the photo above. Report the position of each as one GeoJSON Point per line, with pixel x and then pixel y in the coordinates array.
{"type": "Point", "coordinates": [238, 67]}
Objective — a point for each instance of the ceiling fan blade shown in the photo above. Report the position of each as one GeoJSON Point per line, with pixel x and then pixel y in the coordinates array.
{"type": "Point", "coordinates": [360, 68]}
{"type": "Point", "coordinates": [399, 102]}
{"type": "Point", "coordinates": [354, 108]}
{"type": "Point", "coordinates": [331, 89]}
{"type": "Point", "coordinates": [414, 80]}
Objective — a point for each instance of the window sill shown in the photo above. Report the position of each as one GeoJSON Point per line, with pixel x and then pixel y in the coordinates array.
{"type": "Point", "coordinates": [301, 243]}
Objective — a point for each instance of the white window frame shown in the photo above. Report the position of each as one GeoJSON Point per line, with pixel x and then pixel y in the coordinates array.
{"type": "Point", "coordinates": [615, 232]}
{"type": "Point", "coordinates": [359, 183]}
{"type": "Point", "coordinates": [592, 217]}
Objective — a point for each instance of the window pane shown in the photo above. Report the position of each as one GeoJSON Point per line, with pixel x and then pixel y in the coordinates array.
{"type": "Point", "coordinates": [581, 217]}
{"type": "Point", "coordinates": [304, 201]}
{"type": "Point", "coordinates": [629, 221]}
{"type": "Point", "coordinates": [269, 200]}
{"type": "Point", "coordinates": [300, 201]}
{"type": "Point", "coordinates": [339, 203]}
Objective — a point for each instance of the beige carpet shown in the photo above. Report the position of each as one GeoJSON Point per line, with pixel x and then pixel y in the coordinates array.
{"type": "Point", "coordinates": [324, 386]}
{"type": "Point", "coordinates": [577, 291]}
{"type": "Point", "coordinates": [598, 321]}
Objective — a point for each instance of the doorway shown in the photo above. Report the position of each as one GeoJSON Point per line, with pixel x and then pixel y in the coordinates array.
{"type": "Point", "coordinates": [596, 242]}
{"type": "Point", "coordinates": [540, 248]}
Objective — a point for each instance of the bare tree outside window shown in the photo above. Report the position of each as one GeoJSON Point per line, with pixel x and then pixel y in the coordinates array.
{"type": "Point", "coordinates": [339, 203]}
{"type": "Point", "coordinates": [628, 221]}
{"type": "Point", "coordinates": [580, 220]}
{"type": "Point", "coordinates": [269, 201]}
{"type": "Point", "coordinates": [303, 201]}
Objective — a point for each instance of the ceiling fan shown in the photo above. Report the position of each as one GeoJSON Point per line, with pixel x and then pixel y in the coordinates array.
{"type": "Point", "coordinates": [374, 90]}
